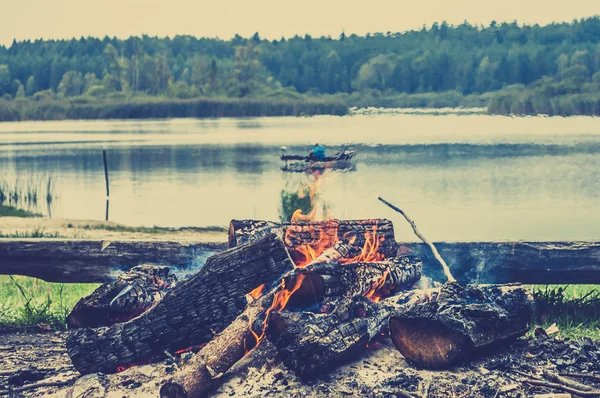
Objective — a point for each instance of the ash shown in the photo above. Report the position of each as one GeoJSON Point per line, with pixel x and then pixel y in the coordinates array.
{"type": "Point", "coordinates": [30, 357]}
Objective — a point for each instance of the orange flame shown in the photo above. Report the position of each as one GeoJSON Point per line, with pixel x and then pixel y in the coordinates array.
{"type": "Point", "coordinates": [279, 303]}
{"type": "Point", "coordinates": [304, 255]}
{"type": "Point", "coordinates": [375, 292]}
{"type": "Point", "coordinates": [313, 188]}
{"type": "Point", "coordinates": [283, 296]}
{"type": "Point", "coordinates": [370, 251]}
{"type": "Point", "coordinates": [256, 293]}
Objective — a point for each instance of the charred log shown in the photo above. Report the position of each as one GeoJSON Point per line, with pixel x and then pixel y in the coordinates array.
{"type": "Point", "coordinates": [316, 232]}
{"type": "Point", "coordinates": [338, 251]}
{"type": "Point", "coordinates": [190, 314]}
{"type": "Point", "coordinates": [453, 322]}
{"type": "Point", "coordinates": [200, 374]}
{"type": "Point", "coordinates": [228, 347]}
{"type": "Point", "coordinates": [325, 281]}
{"type": "Point", "coordinates": [130, 295]}
{"type": "Point", "coordinates": [311, 344]}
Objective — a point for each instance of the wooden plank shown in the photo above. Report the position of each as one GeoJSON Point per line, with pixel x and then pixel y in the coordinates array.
{"type": "Point", "coordinates": [60, 260]}
{"type": "Point", "coordinates": [507, 262]}
{"type": "Point", "coordinates": [86, 261]}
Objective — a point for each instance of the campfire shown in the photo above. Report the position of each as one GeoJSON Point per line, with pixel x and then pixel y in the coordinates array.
{"type": "Point", "coordinates": [312, 296]}
{"type": "Point", "coordinates": [317, 292]}
{"type": "Point", "coordinates": [320, 292]}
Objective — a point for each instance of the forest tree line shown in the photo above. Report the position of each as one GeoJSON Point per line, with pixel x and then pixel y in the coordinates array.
{"type": "Point", "coordinates": [525, 67]}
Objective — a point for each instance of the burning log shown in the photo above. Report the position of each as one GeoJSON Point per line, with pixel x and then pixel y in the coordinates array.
{"type": "Point", "coordinates": [317, 236]}
{"type": "Point", "coordinates": [130, 295]}
{"type": "Point", "coordinates": [300, 288]}
{"type": "Point", "coordinates": [325, 281]}
{"type": "Point", "coordinates": [198, 376]}
{"type": "Point", "coordinates": [190, 314]}
{"type": "Point", "coordinates": [338, 251]}
{"type": "Point", "coordinates": [452, 322]}
{"type": "Point", "coordinates": [310, 343]}
{"type": "Point", "coordinates": [313, 343]}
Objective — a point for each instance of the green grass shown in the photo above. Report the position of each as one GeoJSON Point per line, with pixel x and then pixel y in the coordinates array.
{"type": "Point", "coordinates": [574, 308]}
{"type": "Point", "coordinates": [9, 211]}
{"type": "Point", "coordinates": [28, 301]}
{"type": "Point", "coordinates": [36, 233]}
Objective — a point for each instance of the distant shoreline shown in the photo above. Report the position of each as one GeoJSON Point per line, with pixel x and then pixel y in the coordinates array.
{"type": "Point", "coordinates": [27, 110]}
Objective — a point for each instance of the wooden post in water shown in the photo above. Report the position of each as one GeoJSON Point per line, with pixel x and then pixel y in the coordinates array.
{"type": "Point", "coordinates": [106, 178]}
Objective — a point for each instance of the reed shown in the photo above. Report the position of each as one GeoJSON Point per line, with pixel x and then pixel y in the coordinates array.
{"type": "Point", "coordinates": [27, 195]}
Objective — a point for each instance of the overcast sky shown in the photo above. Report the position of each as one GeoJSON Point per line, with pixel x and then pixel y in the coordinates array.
{"type": "Point", "coordinates": [52, 19]}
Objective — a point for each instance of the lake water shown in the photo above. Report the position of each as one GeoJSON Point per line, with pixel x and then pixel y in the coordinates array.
{"type": "Point", "coordinates": [460, 177]}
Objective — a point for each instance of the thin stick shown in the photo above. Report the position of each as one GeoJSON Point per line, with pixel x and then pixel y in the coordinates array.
{"type": "Point", "coordinates": [567, 382]}
{"type": "Point", "coordinates": [556, 386]}
{"type": "Point", "coordinates": [105, 172]}
{"type": "Point", "coordinates": [582, 375]}
{"type": "Point", "coordinates": [436, 254]}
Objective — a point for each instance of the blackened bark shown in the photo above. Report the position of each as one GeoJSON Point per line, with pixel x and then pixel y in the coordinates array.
{"type": "Point", "coordinates": [314, 233]}
{"type": "Point", "coordinates": [131, 294]}
{"type": "Point", "coordinates": [332, 280]}
{"type": "Point", "coordinates": [455, 321]}
{"type": "Point", "coordinates": [191, 314]}
{"type": "Point", "coordinates": [311, 344]}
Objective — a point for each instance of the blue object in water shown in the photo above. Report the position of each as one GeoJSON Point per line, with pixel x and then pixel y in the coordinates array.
{"type": "Point", "coordinates": [319, 152]}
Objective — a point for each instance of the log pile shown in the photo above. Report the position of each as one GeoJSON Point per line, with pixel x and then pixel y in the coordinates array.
{"type": "Point", "coordinates": [189, 315]}
{"type": "Point", "coordinates": [317, 311]}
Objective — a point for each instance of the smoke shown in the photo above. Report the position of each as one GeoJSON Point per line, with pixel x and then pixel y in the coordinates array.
{"type": "Point", "coordinates": [427, 283]}
{"type": "Point", "coordinates": [181, 272]}
{"type": "Point", "coordinates": [197, 264]}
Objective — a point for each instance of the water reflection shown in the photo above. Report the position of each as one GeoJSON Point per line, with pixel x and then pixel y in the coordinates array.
{"type": "Point", "coordinates": [498, 183]}
{"type": "Point", "coordinates": [301, 199]}
{"type": "Point", "coordinates": [33, 193]}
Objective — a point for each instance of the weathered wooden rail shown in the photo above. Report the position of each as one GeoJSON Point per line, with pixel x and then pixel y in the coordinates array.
{"type": "Point", "coordinates": [505, 262]}
{"type": "Point", "coordinates": [83, 261]}
{"type": "Point", "coordinates": [61, 260]}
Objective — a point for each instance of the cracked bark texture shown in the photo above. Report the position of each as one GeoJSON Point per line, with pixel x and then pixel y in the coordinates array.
{"type": "Point", "coordinates": [455, 321]}
{"type": "Point", "coordinates": [190, 314]}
